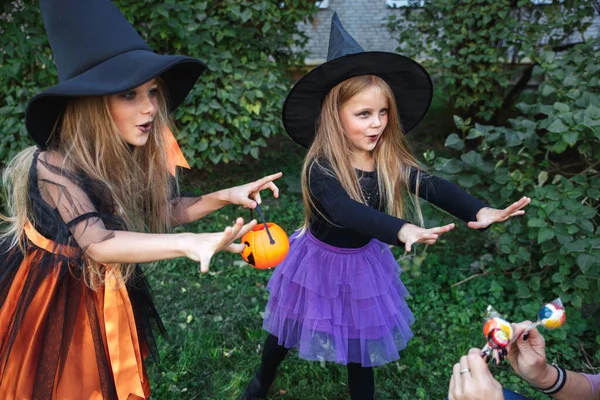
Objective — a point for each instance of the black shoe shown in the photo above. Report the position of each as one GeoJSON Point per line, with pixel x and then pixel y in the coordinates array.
{"type": "Point", "coordinates": [255, 390]}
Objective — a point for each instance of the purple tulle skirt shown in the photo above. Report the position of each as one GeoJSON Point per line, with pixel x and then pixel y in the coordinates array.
{"type": "Point", "coordinates": [342, 305]}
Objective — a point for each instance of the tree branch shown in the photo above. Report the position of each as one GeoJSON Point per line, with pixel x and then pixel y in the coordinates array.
{"type": "Point", "coordinates": [469, 278]}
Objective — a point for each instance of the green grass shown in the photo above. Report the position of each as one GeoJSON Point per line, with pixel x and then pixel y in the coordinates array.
{"type": "Point", "coordinates": [214, 320]}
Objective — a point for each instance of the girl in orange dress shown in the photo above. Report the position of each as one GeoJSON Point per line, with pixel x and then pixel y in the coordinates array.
{"type": "Point", "coordinates": [91, 201]}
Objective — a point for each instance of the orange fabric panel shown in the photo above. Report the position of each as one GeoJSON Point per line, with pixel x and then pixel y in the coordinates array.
{"type": "Point", "coordinates": [21, 366]}
{"type": "Point", "coordinates": [175, 157]}
{"type": "Point", "coordinates": [44, 243]}
{"type": "Point", "coordinates": [80, 377]}
{"type": "Point", "coordinates": [121, 337]}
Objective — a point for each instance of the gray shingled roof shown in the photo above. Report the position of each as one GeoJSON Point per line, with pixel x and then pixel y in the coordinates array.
{"type": "Point", "coordinates": [366, 21]}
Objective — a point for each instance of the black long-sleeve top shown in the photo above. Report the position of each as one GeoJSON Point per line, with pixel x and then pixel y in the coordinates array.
{"type": "Point", "coordinates": [356, 223]}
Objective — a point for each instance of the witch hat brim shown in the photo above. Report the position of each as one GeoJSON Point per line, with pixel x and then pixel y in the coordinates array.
{"type": "Point", "coordinates": [97, 52]}
{"type": "Point", "coordinates": [409, 81]}
{"type": "Point", "coordinates": [115, 75]}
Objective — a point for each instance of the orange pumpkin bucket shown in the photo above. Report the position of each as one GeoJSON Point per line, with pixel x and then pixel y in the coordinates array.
{"type": "Point", "coordinates": [266, 245]}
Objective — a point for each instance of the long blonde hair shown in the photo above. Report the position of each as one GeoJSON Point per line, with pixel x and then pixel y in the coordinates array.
{"type": "Point", "coordinates": [392, 156]}
{"type": "Point", "coordinates": [138, 186]}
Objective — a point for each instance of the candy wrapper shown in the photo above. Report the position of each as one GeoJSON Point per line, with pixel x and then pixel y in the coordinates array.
{"type": "Point", "coordinates": [497, 331]}
{"type": "Point", "coordinates": [550, 316]}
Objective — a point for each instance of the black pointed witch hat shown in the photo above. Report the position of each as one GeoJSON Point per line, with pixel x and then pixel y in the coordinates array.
{"type": "Point", "coordinates": [409, 81]}
{"type": "Point", "coordinates": [97, 52]}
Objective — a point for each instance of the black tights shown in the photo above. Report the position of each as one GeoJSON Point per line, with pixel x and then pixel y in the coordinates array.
{"type": "Point", "coordinates": [360, 379]}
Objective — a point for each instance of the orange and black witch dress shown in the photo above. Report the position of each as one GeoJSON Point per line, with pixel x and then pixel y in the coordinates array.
{"type": "Point", "coordinates": [59, 339]}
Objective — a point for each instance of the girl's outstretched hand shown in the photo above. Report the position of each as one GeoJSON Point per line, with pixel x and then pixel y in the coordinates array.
{"type": "Point", "coordinates": [410, 234]}
{"type": "Point", "coordinates": [202, 246]}
{"type": "Point", "coordinates": [487, 215]}
{"type": "Point", "coordinates": [248, 195]}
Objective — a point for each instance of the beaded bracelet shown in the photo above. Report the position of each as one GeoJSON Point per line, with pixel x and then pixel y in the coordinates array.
{"type": "Point", "coordinates": [560, 381]}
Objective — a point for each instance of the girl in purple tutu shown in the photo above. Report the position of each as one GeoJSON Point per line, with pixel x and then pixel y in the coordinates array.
{"type": "Point", "coordinates": [338, 294]}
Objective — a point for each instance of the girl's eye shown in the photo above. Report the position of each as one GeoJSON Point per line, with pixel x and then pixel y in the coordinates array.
{"type": "Point", "coordinates": [384, 111]}
{"type": "Point", "coordinates": [128, 95]}
{"type": "Point", "coordinates": [153, 91]}
{"type": "Point", "coordinates": [364, 114]}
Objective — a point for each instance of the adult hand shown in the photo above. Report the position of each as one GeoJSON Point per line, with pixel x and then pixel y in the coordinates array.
{"type": "Point", "coordinates": [410, 234]}
{"type": "Point", "coordinates": [527, 356]}
{"type": "Point", "coordinates": [248, 195]}
{"type": "Point", "coordinates": [202, 246]}
{"type": "Point", "coordinates": [472, 380]}
{"type": "Point", "coordinates": [487, 215]}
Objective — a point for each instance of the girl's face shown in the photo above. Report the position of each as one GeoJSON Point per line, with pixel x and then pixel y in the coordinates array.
{"type": "Point", "coordinates": [133, 112]}
{"type": "Point", "coordinates": [364, 118]}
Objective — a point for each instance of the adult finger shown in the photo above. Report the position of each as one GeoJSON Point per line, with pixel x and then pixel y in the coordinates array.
{"type": "Point", "coordinates": [475, 364]}
{"type": "Point", "coordinates": [451, 387]}
{"type": "Point", "coordinates": [465, 376]}
{"type": "Point", "coordinates": [514, 347]}
{"type": "Point", "coordinates": [458, 387]}
{"type": "Point", "coordinates": [496, 356]}
{"type": "Point", "coordinates": [532, 341]}
{"type": "Point", "coordinates": [465, 371]}
{"type": "Point", "coordinates": [519, 328]}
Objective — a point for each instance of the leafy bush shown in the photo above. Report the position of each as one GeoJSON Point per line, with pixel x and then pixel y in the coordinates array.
{"type": "Point", "coordinates": [475, 47]}
{"type": "Point", "coordinates": [232, 110]}
{"type": "Point", "coordinates": [550, 153]}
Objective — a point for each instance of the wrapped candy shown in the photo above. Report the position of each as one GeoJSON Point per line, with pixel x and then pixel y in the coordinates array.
{"type": "Point", "coordinates": [497, 331]}
{"type": "Point", "coordinates": [550, 316]}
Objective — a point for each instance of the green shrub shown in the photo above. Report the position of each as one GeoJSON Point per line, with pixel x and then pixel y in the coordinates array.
{"type": "Point", "coordinates": [475, 47]}
{"type": "Point", "coordinates": [232, 110]}
{"type": "Point", "coordinates": [550, 153]}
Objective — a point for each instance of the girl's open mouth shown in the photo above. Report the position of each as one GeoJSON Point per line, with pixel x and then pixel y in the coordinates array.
{"type": "Point", "coordinates": [145, 127]}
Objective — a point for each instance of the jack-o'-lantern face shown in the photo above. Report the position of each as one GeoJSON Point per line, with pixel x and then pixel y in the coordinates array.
{"type": "Point", "coordinates": [260, 252]}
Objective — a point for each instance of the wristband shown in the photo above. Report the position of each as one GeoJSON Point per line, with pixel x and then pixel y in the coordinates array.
{"type": "Point", "coordinates": [559, 384]}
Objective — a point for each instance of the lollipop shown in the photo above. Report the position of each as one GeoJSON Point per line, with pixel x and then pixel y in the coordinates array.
{"type": "Point", "coordinates": [550, 316]}
{"type": "Point", "coordinates": [497, 332]}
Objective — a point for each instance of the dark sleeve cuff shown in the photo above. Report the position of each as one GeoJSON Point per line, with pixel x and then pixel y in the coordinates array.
{"type": "Point", "coordinates": [392, 233]}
